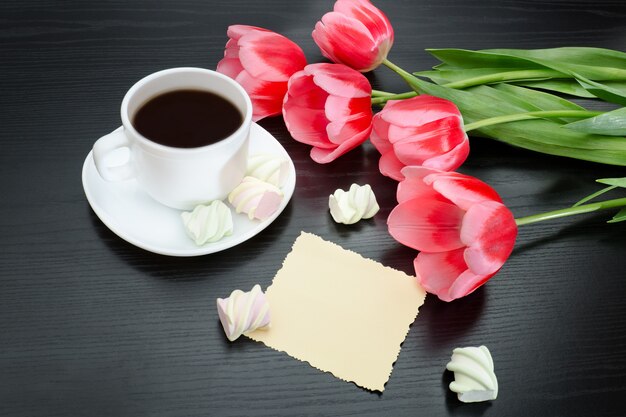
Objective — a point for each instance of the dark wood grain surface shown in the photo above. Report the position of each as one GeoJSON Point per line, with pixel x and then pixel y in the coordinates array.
{"type": "Point", "coordinates": [93, 326]}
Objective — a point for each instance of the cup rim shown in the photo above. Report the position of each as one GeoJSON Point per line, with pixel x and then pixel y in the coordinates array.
{"type": "Point", "coordinates": [126, 122]}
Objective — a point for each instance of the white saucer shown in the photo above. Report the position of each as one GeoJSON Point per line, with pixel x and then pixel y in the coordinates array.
{"type": "Point", "coordinates": [135, 217]}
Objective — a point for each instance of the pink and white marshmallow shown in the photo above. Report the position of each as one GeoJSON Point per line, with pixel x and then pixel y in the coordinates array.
{"type": "Point", "coordinates": [258, 199]}
{"type": "Point", "coordinates": [243, 312]}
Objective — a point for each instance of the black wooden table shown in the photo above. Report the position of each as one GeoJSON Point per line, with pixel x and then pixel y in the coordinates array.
{"type": "Point", "coordinates": [93, 326]}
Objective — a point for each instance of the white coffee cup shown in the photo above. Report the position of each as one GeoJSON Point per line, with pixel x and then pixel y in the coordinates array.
{"type": "Point", "coordinates": [180, 178]}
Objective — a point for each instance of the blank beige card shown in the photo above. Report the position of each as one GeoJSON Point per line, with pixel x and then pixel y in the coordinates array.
{"type": "Point", "coordinates": [340, 312]}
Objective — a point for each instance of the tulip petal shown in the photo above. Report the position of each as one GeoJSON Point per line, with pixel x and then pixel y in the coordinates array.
{"type": "Point", "coordinates": [342, 108]}
{"type": "Point", "coordinates": [343, 130]}
{"type": "Point", "coordinates": [323, 156]}
{"type": "Point", "coordinates": [304, 92]}
{"type": "Point", "coordinates": [306, 125]}
{"type": "Point", "coordinates": [256, 87]}
{"type": "Point", "coordinates": [445, 274]}
{"type": "Point", "coordinates": [347, 41]}
{"type": "Point", "coordinates": [262, 62]}
{"type": "Point", "coordinates": [466, 283]}
{"type": "Point", "coordinates": [390, 166]}
{"type": "Point", "coordinates": [419, 173]}
{"type": "Point", "coordinates": [437, 272]}
{"type": "Point", "coordinates": [380, 135]}
{"type": "Point", "coordinates": [374, 20]}
{"type": "Point", "coordinates": [348, 117]}
{"type": "Point", "coordinates": [270, 56]}
{"type": "Point", "coordinates": [328, 106]}
{"type": "Point", "coordinates": [409, 153]}
{"type": "Point", "coordinates": [426, 225]}
{"type": "Point", "coordinates": [339, 80]}
{"type": "Point", "coordinates": [230, 67]}
{"type": "Point", "coordinates": [355, 33]}
{"type": "Point", "coordinates": [232, 49]}
{"type": "Point", "coordinates": [266, 97]}
{"type": "Point", "coordinates": [434, 137]}
{"type": "Point", "coordinates": [489, 232]}
{"type": "Point", "coordinates": [450, 160]}
{"type": "Point", "coordinates": [237, 31]}
{"type": "Point", "coordinates": [417, 111]}
{"type": "Point", "coordinates": [462, 190]}
{"type": "Point", "coordinates": [424, 131]}
{"type": "Point", "coordinates": [413, 187]}
{"type": "Point", "coordinates": [262, 108]}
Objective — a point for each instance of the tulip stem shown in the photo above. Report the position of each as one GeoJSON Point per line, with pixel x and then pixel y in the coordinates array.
{"type": "Point", "coordinates": [407, 76]}
{"type": "Point", "coordinates": [396, 68]}
{"type": "Point", "coordinates": [526, 75]}
{"type": "Point", "coordinates": [571, 211]}
{"type": "Point", "coordinates": [379, 93]}
{"type": "Point", "coordinates": [546, 114]}
{"type": "Point", "coordinates": [498, 77]}
{"type": "Point", "coordinates": [390, 96]}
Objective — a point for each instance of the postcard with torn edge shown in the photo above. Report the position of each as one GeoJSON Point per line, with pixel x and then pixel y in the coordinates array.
{"type": "Point", "coordinates": [340, 312]}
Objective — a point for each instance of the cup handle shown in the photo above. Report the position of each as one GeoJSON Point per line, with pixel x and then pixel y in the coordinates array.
{"type": "Point", "coordinates": [104, 147]}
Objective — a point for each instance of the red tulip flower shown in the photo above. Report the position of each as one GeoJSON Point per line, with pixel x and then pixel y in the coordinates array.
{"type": "Point", "coordinates": [329, 107]}
{"type": "Point", "coordinates": [262, 62]}
{"type": "Point", "coordinates": [458, 223]}
{"type": "Point", "coordinates": [421, 131]}
{"type": "Point", "coordinates": [355, 34]}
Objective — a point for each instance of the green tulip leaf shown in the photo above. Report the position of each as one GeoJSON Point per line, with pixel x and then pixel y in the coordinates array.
{"type": "Point", "coordinates": [607, 64]}
{"type": "Point", "coordinates": [538, 99]}
{"type": "Point", "coordinates": [616, 182]}
{"type": "Point", "coordinates": [563, 86]}
{"type": "Point", "coordinates": [498, 82]}
{"type": "Point", "coordinates": [612, 123]}
{"type": "Point", "coordinates": [619, 217]}
{"type": "Point", "coordinates": [593, 63]}
{"type": "Point", "coordinates": [603, 91]}
{"type": "Point", "coordinates": [538, 135]}
{"type": "Point", "coordinates": [575, 55]}
{"type": "Point", "coordinates": [478, 76]}
{"type": "Point", "coordinates": [449, 76]}
{"type": "Point", "coordinates": [467, 59]}
{"type": "Point", "coordinates": [594, 195]}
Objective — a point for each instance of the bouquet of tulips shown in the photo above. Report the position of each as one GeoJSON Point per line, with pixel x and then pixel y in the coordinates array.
{"type": "Point", "coordinates": [463, 231]}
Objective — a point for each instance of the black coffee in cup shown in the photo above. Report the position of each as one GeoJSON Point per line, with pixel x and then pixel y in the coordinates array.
{"type": "Point", "coordinates": [187, 118]}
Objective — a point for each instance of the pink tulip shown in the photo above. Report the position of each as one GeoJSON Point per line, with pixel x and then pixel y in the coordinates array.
{"type": "Point", "coordinates": [355, 33]}
{"type": "Point", "coordinates": [458, 223]}
{"type": "Point", "coordinates": [262, 62]}
{"type": "Point", "coordinates": [328, 106]}
{"type": "Point", "coordinates": [421, 131]}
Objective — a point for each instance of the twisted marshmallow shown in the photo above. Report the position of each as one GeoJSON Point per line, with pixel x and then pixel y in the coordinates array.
{"type": "Point", "coordinates": [258, 199]}
{"type": "Point", "coordinates": [357, 203]}
{"type": "Point", "coordinates": [208, 223]}
{"type": "Point", "coordinates": [243, 312]}
{"type": "Point", "coordinates": [474, 378]}
{"type": "Point", "coordinates": [269, 168]}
